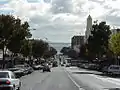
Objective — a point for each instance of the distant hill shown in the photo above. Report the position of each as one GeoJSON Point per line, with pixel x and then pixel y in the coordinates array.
{"type": "Point", "coordinates": [59, 46]}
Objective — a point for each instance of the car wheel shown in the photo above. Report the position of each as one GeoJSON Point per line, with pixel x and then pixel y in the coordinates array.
{"type": "Point", "coordinates": [18, 88]}
{"type": "Point", "coordinates": [13, 87]}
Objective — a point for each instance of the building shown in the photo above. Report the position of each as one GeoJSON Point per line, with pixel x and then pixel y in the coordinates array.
{"type": "Point", "coordinates": [76, 42]}
{"type": "Point", "coordinates": [88, 28]}
{"type": "Point", "coordinates": [114, 31]}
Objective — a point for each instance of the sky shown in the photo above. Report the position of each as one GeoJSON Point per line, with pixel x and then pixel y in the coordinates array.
{"type": "Point", "coordinates": [59, 20]}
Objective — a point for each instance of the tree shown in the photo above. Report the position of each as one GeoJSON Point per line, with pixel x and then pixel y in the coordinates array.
{"type": "Point", "coordinates": [26, 48]}
{"type": "Point", "coordinates": [114, 44]}
{"type": "Point", "coordinates": [18, 37]}
{"type": "Point", "coordinates": [72, 53]}
{"type": "Point", "coordinates": [38, 48]}
{"type": "Point", "coordinates": [12, 31]}
{"type": "Point", "coordinates": [50, 52]}
{"type": "Point", "coordinates": [83, 51]}
{"type": "Point", "coordinates": [65, 50]}
{"type": "Point", "coordinates": [98, 41]}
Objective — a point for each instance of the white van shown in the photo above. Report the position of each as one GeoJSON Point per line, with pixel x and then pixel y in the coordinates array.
{"type": "Point", "coordinates": [112, 69]}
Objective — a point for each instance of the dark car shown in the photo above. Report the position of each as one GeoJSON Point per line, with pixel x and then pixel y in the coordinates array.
{"type": "Point", "coordinates": [67, 65]}
{"type": "Point", "coordinates": [28, 68]}
{"type": "Point", "coordinates": [62, 64]}
{"type": "Point", "coordinates": [55, 64]}
{"type": "Point", "coordinates": [46, 68]}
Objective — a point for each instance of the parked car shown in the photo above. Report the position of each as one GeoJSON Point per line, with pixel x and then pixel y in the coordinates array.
{"type": "Point", "coordinates": [67, 65]}
{"type": "Point", "coordinates": [112, 69]}
{"type": "Point", "coordinates": [28, 68]}
{"type": "Point", "coordinates": [37, 67]}
{"type": "Point", "coordinates": [13, 69]}
{"type": "Point", "coordinates": [46, 68]}
{"type": "Point", "coordinates": [8, 81]}
{"type": "Point", "coordinates": [18, 72]}
{"type": "Point", "coordinates": [62, 64]}
{"type": "Point", "coordinates": [22, 69]}
{"type": "Point", "coordinates": [92, 66]}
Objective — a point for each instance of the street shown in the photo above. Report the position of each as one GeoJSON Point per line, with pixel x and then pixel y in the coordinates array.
{"type": "Point", "coordinates": [93, 80]}
{"type": "Point", "coordinates": [62, 78]}
{"type": "Point", "coordinates": [55, 80]}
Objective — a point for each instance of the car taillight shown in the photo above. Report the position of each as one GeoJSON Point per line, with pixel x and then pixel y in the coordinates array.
{"type": "Point", "coordinates": [8, 82]}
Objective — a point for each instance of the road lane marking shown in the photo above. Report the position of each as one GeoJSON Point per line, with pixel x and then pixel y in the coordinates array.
{"type": "Point", "coordinates": [79, 87]}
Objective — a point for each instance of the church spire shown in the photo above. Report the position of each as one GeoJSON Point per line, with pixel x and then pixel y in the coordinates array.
{"type": "Point", "coordinates": [89, 17]}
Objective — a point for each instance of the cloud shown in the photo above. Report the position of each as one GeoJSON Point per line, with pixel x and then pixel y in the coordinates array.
{"type": "Point", "coordinates": [61, 6]}
{"type": "Point", "coordinates": [59, 20]}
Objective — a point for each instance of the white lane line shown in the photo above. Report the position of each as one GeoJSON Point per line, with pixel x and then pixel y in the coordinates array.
{"type": "Point", "coordinates": [73, 80]}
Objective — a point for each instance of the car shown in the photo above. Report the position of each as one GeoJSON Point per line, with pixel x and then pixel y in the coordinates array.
{"type": "Point", "coordinates": [112, 69]}
{"type": "Point", "coordinates": [62, 64]}
{"type": "Point", "coordinates": [21, 69]}
{"type": "Point", "coordinates": [55, 64]}
{"type": "Point", "coordinates": [37, 67]}
{"type": "Point", "coordinates": [28, 68]}
{"type": "Point", "coordinates": [25, 68]}
{"type": "Point", "coordinates": [8, 81]}
{"type": "Point", "coordinates": [67, 65]}
{"type": "Point", "coordinates": [46, 68]}
{"type": "Point", "coordinates": [18, 72]}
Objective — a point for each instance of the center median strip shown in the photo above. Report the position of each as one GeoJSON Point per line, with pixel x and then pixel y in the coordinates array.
{"type": "Point", "coordinates": [79, 87]}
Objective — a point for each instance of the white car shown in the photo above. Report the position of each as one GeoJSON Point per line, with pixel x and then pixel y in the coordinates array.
{"type": "Point", "coordinates": [8, 81]}
{"type": "Point", "coordinates": [112, 69]}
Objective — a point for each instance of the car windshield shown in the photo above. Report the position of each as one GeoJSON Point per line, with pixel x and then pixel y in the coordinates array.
{"type": "Point", "coordinates": [4, 75]}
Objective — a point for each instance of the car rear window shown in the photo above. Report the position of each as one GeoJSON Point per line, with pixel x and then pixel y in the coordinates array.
{"type": "Point", "coordinates": [4, 75]}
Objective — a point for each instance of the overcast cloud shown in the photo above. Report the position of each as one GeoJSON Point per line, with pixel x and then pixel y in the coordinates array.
{"type": "Point", "coordinates": [59, 20]}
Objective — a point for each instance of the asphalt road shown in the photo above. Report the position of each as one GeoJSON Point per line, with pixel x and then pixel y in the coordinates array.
{"type": "Point", "coordinates": [56, 80]}
{"type": "Point", "coordinates": [93, 80]}
{"type": "Point", "coordinates": [71, 78]}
